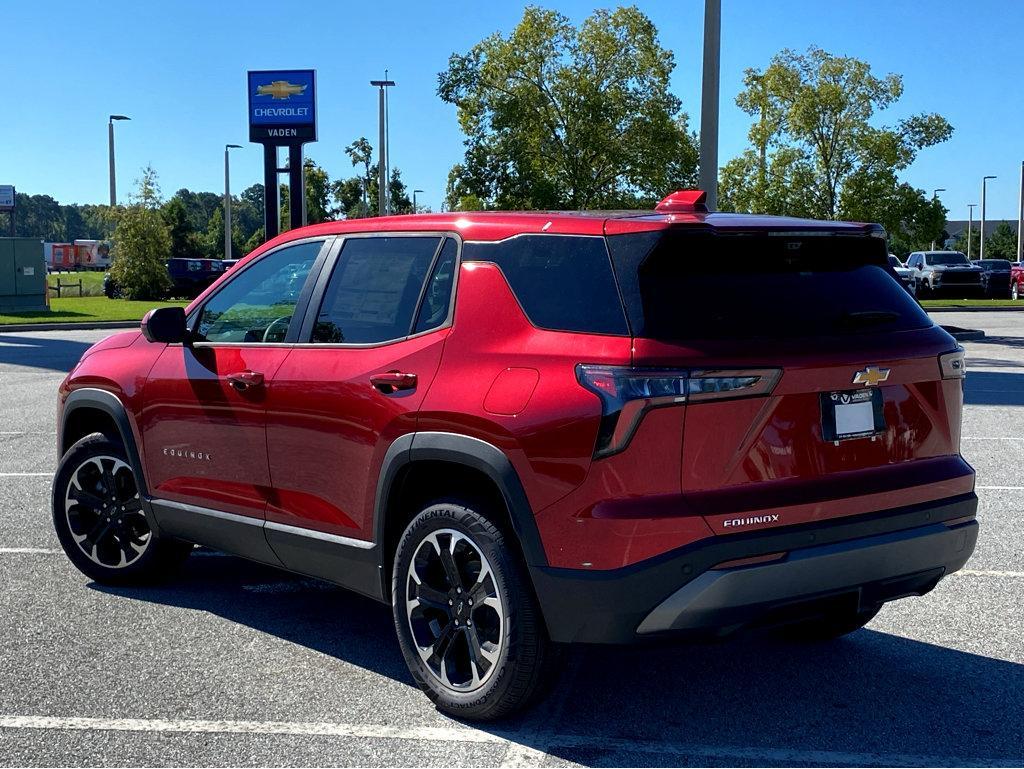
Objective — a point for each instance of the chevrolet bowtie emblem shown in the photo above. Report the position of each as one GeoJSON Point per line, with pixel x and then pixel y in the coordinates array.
{"type": "Point", "coordinates": [871, 376]}
{"type": "Point", "coordinates": [280, 89]}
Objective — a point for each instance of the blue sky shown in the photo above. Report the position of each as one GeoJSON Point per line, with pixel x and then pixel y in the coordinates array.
{"type": "Point", "coordinates": [178, 69]}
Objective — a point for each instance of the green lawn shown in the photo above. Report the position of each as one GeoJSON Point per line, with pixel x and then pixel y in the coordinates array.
{"type": "Point", "coordinates": [928, 303]}
{"type": "Point", "coordinates": [92, 283]}
{"type": "Point", "coordinates": [87, 309]}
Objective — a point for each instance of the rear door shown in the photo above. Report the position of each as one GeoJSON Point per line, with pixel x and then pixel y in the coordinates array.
{"type": "Point", "coordinates": [858, 416]}
{"type": "Point", "coordinates": [369, 350]}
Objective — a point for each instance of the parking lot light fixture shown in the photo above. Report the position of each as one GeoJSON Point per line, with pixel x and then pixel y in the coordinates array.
{"type": "Point", "coordinates": [970, 225]}
{"type": "Point", "coordinates": [415, 208]}
{"type": "Point", "coordinates": [227, 199]}
{"type": "Point", "coordinates": [110, 149]}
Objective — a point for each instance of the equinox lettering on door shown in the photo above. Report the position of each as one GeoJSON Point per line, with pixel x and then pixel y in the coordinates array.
{"type": "Point", "coordinates": [750, 521]}
{"type": "Point", "coordinates": [187, 454]}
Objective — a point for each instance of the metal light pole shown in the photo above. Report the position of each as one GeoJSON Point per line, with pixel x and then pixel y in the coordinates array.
{"type": "Point", "coordinates": [382, 152]}
{"type": "Point", "coordinates": [1020, 214]}
{"type": "Point", "coordinates": [709, 101]}
{"type": "Point", "coordinates": [970, 225]}
{"type": "Point", "coordinates": [981, 235]}
{"type": "Point", "coordinates": [935, 192]}
{"type": "Point", "coordinates": [227, 199]}
{"type": "Point", "coordinates": [415, 208]}
{"type": "Point", "coordinates": [110, 147]}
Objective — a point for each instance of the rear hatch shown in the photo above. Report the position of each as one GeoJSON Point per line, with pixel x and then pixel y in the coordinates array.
{"type": "Point", "coordinates": [817, 388]}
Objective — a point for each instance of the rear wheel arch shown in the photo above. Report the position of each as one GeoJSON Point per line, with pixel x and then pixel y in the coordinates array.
{"type": "Point", "coordinates": [90, 410]}
{"type": "Point", "coordinates": [425, 467]}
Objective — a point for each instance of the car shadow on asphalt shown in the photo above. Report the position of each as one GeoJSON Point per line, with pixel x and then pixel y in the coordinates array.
{"type": "Point", "coordinates": [870, 692]}
{"type": "Point", "coordinates": [40, 352]}
{"type": "Point", "coordinates": [993, 388]}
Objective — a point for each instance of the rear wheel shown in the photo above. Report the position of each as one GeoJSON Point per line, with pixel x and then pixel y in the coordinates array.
{"type": "Point", "coordinates": [468, 623]}
{"type": "Point", "coordinates": [100, 521]}
{"type": "Point", "coordinates": [828, 626]}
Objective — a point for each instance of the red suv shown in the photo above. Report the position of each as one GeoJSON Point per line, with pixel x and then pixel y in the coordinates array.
{"type": "Point", "coordinates": [528, 429]}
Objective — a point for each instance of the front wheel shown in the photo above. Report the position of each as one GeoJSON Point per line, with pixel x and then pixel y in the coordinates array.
{"type": "Point", "coordinates": [100, 521]}
{"type": "Point", "coordinates": [468, 624]}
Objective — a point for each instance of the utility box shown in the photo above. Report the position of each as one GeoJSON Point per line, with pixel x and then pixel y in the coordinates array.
{"type": "Point", "coordinates": [22, 275]}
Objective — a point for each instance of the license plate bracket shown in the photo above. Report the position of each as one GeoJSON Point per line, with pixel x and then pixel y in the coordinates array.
{"type": "Point", "coordinates": [851, 414]}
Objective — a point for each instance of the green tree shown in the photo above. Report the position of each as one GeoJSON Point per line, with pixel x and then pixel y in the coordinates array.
{"type": "Point", "coordinates": [562, 117]}
{"type": "Point", "coordinates": [318, 192]}
{"type": "Point", "coordinates": [815, 151]}
{"type": "Point", "coordinates": [1002, 243]}
{"type": "Point", "coordinates": [360, 152]}
{"type": "Point", "coordinates": [185, 241]}
{"type": "Point", "coordinates": [142, 244]}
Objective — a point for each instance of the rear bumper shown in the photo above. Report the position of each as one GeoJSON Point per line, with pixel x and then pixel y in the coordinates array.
{"type": "Point", "coordinates": [870, 559]}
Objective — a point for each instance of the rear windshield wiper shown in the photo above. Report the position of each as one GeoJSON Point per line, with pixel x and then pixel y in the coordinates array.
{"type": "Point", "coordinates": [868, 317]}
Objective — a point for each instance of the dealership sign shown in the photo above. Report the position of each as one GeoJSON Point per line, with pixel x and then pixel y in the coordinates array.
{"type": "Point", "coordinates": [282, 106]}
{"type": "Point", "coordinates": [6, 197]}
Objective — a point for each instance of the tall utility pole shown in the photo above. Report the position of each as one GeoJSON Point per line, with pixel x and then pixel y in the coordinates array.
{"type": "Point", "coordinates": [415, 208]}
{"type": "Point", "coordinates": [981, 235]}
{"type": "Point", "coordinates": [970, 225]}
{"type": "Point", "coordinates": [709, 101]}
{"type": "Point", "coordinates": [935, 192]}
{"type": "Point", "coordinates": [227, 199]}
{"type": "Point", "coordinates": [1020, 214]}
{"type": "Point", "coordinates": [110, 148]}
{"type": "Point", "coordinates": [382, 151]}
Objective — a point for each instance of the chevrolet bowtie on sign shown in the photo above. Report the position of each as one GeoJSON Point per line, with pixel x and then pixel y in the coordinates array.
{"type": "Point", "coordinates": [282, 106]}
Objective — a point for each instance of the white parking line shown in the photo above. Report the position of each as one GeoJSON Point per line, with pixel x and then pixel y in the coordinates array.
{"type": "Point", "coordinates": [469, 735]}
{"type": "Point", "coordinates": [999, 488]}
{"type": "Point", "coordinates": [986, 438]}
{"type": "Point", "coordinates": [988, 573]}
{"type": "Point", "coordinates": [30, 550]}
{"type": "Point", "coordinates": [26, 475]}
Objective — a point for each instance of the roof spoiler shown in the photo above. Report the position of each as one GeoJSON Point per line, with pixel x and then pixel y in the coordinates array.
{"type": "Point", "coordinates": [683, 202]}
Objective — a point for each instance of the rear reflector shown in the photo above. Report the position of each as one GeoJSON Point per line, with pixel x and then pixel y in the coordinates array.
{"type": "Point", "coordinates": [953, 365]}
{"type": "Point", "coordinates": [766, 558]}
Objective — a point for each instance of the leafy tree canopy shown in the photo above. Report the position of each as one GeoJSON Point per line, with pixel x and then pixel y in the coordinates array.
{"type": "Point", "coordinates": [557, 116]}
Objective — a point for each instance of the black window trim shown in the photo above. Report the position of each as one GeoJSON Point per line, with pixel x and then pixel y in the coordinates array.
{"type": "Point", "coordinates": [305, 333]}
{"type": "Point", "coordinates": [329, 245]}
{"type": "Point", "coordinates": [611, 266]}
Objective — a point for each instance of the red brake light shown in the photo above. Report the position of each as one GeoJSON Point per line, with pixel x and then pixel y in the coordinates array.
{"type": "Point", "coordinates": [628, 393]}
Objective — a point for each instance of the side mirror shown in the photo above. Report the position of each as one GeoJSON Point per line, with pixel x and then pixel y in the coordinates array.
{"type": "Point", "coordinates": [165, 324]}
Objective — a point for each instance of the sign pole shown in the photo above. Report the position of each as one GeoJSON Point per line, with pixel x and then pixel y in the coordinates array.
{"type": "Point", "coordinates": [271, 206]}
{"type": "Point", "coordinates": [296, 187]}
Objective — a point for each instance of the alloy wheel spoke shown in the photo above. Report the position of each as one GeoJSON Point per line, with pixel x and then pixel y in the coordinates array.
{"type": "Point", "coordinates": [480, 661]}
{"type": "Point", "coordinates": [439, 649]}
{"type": "Point", "coordinates": [428, 596]}
{"type": "Point", "coordinates": [86, 499]}
{"type": "Point", "coordinates": [451, 570]}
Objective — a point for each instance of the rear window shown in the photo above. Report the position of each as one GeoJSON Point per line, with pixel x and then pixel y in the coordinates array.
{"type": "Point", "coordinates": [562, 282]}
{"type": "Point", "coordinates": [946, 259]}
{"type": "Point", "coordinates": [697, 285]}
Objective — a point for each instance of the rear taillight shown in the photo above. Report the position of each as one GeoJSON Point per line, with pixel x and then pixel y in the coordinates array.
{"type": "Point", "coordinates": [953, 365]}
{"type": "Point", "coordinates": [628, 393]}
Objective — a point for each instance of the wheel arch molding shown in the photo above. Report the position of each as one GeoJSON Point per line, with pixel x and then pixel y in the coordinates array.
{"type": "Point", "coordinates": [472, 453]}
{"type": "Point", "coordinates": [108, 404]}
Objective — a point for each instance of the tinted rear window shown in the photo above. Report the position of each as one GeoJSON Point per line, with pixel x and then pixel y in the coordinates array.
{"type": "Point", "coordinates": [946, 259]}
{"type": "Point", "coordinates": [564, 283]}
{"type": "Point", "coordinates": [679, 285]}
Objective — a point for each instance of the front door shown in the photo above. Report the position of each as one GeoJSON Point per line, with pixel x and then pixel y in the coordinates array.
{"type": "Point", "coordinates": [340, 399]}
{"type": "Point", "coordinates": [204, 403]}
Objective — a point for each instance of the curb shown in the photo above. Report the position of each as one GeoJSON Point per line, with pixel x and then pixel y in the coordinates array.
{"type": "Point", "coordinates": [85, 326]}
{"type": "Point", "coordinates": [964, 334]}
{"type": "Point", "coordinates": [954, 308]}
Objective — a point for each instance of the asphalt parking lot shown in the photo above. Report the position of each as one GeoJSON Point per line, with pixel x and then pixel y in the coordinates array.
{"type": "Point", "coordinates": [235, 664]}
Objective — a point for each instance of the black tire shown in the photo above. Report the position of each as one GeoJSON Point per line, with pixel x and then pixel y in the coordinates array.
{"type": "Point", "coordinates": [829, 626]}
{"type": "Point", "coordinates": [100, 521]}
{"type": "Point", "coordinates": [510, 632]}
